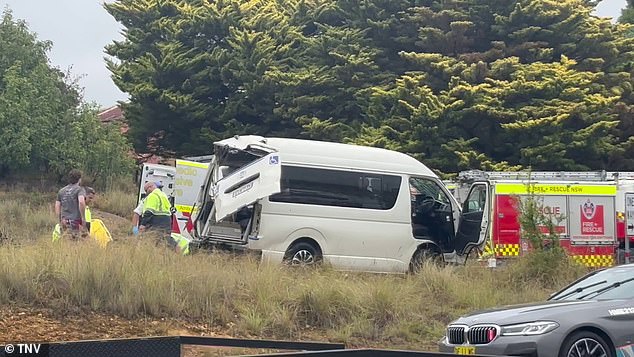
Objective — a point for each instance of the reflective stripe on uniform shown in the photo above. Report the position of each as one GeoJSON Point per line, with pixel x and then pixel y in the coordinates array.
{"type": "Point", "coordinates": [57, 232]}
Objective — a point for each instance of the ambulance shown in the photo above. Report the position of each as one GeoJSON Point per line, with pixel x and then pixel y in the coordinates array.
{"type": "Point", "coordinates": [181, 182]}
{"type": "Point", "coordinates": [586, 208]}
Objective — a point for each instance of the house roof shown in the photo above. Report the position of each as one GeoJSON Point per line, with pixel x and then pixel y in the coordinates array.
{"type": "Point", "coordinates": [115, 114]}
{"type": "Point", "coordinates": [111, 114]}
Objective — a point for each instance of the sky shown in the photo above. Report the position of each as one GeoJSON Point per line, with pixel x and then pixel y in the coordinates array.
{"type": "Point", "coordinates": [80, 29]}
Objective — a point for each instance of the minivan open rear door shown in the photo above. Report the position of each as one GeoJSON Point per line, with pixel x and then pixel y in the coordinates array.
{"type": "Point", "coordinates": [241, 188]}
{"type": "Point", "coordinates": [474, 219]}
{"type": "Point", "coordinates": [247, 185]}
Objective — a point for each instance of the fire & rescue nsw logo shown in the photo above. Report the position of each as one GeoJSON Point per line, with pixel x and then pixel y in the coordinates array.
{"type": "Point", "coordinates": [592, 219]}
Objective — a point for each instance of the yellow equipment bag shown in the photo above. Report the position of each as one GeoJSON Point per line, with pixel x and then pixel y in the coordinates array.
{"type": "Point", "coordinates": [57, 232]}
{"type": "Point", "coordinates": [100, 233]}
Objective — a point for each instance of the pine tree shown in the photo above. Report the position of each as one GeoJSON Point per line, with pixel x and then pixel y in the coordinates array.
{"type": "Point", "coordinates": [525, 82]}
{"type": "Point", "coordinates": [457, 83]}
{"type": "Point", "coordinates": [197, 71]}
{"type": "Point", "coordinates": [627, 14]}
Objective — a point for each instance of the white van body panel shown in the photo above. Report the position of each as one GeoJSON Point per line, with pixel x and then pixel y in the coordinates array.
{"type": "Point", "coordinates": [350, 238]}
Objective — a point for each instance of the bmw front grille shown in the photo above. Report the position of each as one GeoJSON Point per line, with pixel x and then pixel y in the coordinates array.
{"type": "Point", "coordinates": [456, 335]}
{"type": "Point", "coordinates": [474, 335]}
{"type": "Point", "coordinates": [481, 335]}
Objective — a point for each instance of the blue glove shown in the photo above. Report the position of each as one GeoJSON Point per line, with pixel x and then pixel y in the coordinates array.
{"type": "Point", "coordinates": [135, 230]}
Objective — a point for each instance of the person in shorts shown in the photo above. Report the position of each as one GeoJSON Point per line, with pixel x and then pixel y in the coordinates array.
{"type": "Point", "coordinates": [70, 207]}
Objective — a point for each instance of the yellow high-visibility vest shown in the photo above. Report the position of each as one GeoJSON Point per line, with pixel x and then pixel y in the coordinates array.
{"type": "Point", "coordinates": [88, 214]}
{"type": "Point", "coordinates": [57, 232]}
{"type": "Point", "coordinates": [182, 242]}
{"type": "Point", "coordinates": [157, 203]}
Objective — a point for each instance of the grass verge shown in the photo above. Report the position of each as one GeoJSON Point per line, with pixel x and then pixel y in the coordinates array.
{"type": "Point", "coordinates": [135, 278]}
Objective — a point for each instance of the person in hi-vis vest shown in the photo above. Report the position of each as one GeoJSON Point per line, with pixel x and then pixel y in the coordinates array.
{"type": "Point", "coordinates": [90, 197]}
{"type": "Point", "coordinates": [157, 213]}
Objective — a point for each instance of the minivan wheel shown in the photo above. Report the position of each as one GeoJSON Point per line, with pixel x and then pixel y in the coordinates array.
{"type": "Point", "coordinates": [303, 254]}
{"type": "Point", "coordinates": [425, 255]}
{"type": "Point", "coordinates": [585, 344]}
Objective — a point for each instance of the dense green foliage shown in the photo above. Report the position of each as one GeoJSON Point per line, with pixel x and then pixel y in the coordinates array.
{"type": "Point", "coordinates": [45, 124]}
{"type": "Point", "coordinates": [457, 83]}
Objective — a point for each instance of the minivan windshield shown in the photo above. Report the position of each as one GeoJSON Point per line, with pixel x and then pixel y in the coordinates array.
{"type": "Point", "coordinates": [612, 283]}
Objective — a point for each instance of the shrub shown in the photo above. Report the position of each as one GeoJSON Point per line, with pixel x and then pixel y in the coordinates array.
{"type": "Point", "coordinates": [46, 126]}
{"type": "Point", "coordinates": [547, 263]}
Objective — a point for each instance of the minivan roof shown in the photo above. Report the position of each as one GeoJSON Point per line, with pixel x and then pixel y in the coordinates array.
{"type": "Point", "coordinates": [329, 154]}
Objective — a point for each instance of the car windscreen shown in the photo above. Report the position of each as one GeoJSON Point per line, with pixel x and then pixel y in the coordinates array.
{"type": "Point", "coordinates": [613, 283]}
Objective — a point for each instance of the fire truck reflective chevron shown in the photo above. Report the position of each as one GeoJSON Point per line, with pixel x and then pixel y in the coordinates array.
{"type": "Point", "coordinates": [555, 189]}
{"type": "Point", "coordinates": [502, 250]}
{"type": "Point", "coordinates": [597, 261]}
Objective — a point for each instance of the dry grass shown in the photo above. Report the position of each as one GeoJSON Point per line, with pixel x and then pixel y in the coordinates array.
{"type": "Point", "coordinates": [133, 277]}
{"type": "Point", "coordinates": [26, 216]}
{"type": "Point", "coordinates": [118, 198]}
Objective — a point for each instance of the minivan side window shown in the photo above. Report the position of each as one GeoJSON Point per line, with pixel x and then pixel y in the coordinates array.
{"type": "Point", "coordinates": [427, 188]}
{"type": "Point", "coordinates": [338, 188]}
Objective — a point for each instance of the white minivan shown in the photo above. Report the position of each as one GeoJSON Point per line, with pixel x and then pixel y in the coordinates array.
{"type": "Point", "coordinates": [353, 207]}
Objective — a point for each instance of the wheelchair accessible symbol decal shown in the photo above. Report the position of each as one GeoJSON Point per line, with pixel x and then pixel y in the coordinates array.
{"type": "Point", "coordinates": [274, 160]}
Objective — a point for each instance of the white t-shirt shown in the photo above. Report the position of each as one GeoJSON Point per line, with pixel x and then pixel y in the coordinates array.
{"type": "Point", "coordinates": [139, 209]}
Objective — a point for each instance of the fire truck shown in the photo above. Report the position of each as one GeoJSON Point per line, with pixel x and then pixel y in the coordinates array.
{"type": "Point", "coordinates": [587, 210]}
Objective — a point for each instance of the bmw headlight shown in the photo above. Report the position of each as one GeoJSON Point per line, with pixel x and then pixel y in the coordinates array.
{"type": "Point", "coordinates": [529, 329]}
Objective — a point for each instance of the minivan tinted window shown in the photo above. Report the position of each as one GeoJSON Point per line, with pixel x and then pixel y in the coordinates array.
{"type": "Point", "coordinates": [337, 188]}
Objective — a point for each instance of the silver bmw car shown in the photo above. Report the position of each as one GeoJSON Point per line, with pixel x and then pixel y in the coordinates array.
{"type": "Point", "coordinates": [592, 317]}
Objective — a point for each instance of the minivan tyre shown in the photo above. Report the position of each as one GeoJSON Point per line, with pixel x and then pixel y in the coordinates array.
{"type": "Point", "coordinates": [472, 255]}
{"type": "Point", "coordinates": [587, 341]}
{"type": "Point", "coordinates": [425, 255]}
{"type": "Point", "coordinates": [303, 254]}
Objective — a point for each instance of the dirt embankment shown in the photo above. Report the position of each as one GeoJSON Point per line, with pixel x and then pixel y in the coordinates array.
{"type": "Point", "coordinates": [20, 324]}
